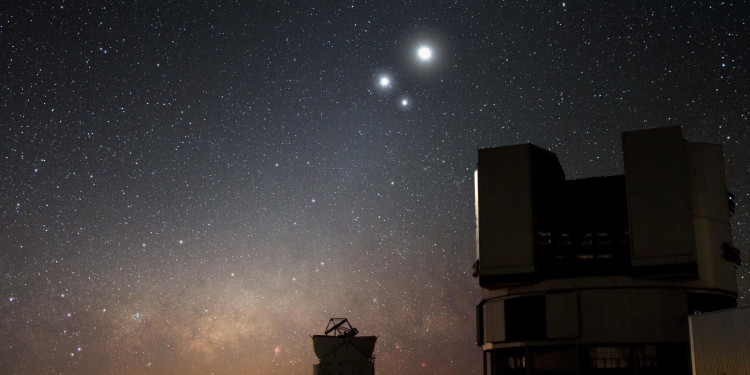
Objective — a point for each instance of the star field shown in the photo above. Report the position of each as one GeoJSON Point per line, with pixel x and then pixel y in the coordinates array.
{"type": "Point", "coordinates": [197, 188]}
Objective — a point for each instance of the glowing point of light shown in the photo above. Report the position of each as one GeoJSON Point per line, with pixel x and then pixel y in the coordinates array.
{"type": "Point", "coordinates": [424, 53]}
{"type": "Point", "coordinates": [385, 81]}
{"type": "Point", "coordinates": [404, 102]}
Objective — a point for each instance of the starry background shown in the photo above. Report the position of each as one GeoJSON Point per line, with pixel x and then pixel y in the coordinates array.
{"type": "Point", "coordinates": [197, 187]}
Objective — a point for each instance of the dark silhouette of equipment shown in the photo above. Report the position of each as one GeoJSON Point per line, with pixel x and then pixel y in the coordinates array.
{"type": "Point", "coordinates": [340, 327]}
{"type": "Point", "coordinates": [341, 352]}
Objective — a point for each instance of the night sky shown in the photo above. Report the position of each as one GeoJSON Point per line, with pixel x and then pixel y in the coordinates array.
{"type": "Point", "coordinates": [197, 188]}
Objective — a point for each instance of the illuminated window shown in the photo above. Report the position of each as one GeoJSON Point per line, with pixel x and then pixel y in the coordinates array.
{"type": "Point", "coordinates": [646, 356]}
{"type": "Point", "coordinates": [602, 238]}
{"type": "Point", "coordinates": [610, 357]}
{"type": "Point", "coordinates": [516, 362]}
{"type": "Point", "coordinates": [544, 238]}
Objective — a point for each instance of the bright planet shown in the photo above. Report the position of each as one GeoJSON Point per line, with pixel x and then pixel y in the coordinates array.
{"type": "Point", "coordinates": [424, 53]}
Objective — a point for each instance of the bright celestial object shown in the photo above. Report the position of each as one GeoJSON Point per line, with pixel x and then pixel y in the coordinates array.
{"type": "Point", "coordinates": [404, 102]}
{"type": "Point", "coordinates": [424, 53]}
{"type": "Point", "coordinates": [385, 81]}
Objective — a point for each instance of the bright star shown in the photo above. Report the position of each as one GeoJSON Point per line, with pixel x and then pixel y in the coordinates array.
{"type": "Point", "coordinates": [424, 53]}
{"type": "Point", "coordinates": [385, 81]}
{"type": "Point", "coordinates": [404, 102]}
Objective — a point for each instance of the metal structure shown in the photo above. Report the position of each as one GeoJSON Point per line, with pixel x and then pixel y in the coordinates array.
{"type": "Point", "coordinates": [341, 352]}
{"type": "Point", "coordinates": [340, 327]}
{"type": "Point", "coordinates": [597, 276]}
{"type": "Point", "coordinates": [720, 341]}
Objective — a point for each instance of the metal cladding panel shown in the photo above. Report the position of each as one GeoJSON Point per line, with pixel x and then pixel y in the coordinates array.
{"type": "Point", "coordinates": [562, 316]}
{"type": "Point", "coordinates": [633, 315]}
{"type": "Point", "coordinates": [657, 180]}
{"type": "Point", "coordinates": [720, 342]}
{"type": "Point", "coordinates": [708, 184]}
{"type": "Point", "coordinates": [711, 216]}
{"type": "Point", "coordinates": [494, 321]}
{"type": "Point", "coordinates": [505, 225]}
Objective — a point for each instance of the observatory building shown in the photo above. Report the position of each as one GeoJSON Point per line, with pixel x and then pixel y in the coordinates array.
{"type": "Point", "coordinates": [341, 352]}
{"type": "Point", "coordinates": [599, 275]}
